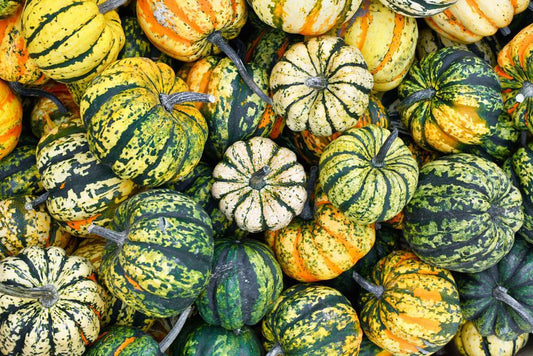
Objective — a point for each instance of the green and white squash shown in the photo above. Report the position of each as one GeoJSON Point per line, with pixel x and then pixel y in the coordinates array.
{"type": "Point", "coordinates": [418, 8]}
{"type": "Point", "coordinates": [19, 174]}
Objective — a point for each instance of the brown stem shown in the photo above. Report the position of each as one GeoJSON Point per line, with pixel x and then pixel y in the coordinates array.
{"type": "Point", "coordinates": [174, 332]}
{"type": "Point", "coordinates": [169, 100]}
{"type": "Point", "coordinates": [110, 235]}
{"type": "Point", "coordinates": [110, 5]}
{"type": "Point", "coordinates": [257, 180]}
{"type": "Point", "coordinates": [25, 91]}
{"type": "Point", "coordinates": [378, 161]}
{"type": "Point", "coordinates": [500, 293]}
{"type": "Point", "coordinates": [368, 286]}
{"type": "Point", "coordinates": [47, 294]}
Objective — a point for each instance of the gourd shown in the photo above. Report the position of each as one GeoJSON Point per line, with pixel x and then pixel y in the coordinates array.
{"type": "Point", "coordinates": [19, 174]}
{"type": "Point", "coordinates": [418, 8]}
{"type": "Point", "coordinates": [10, 119]}
{"type": "Point", "coordinates": [8, 7]}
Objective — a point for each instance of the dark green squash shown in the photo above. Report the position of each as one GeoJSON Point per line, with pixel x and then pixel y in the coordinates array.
{"type": "Point", "coordinates": [19, 174]}
{"type": "Point", "coordinates": [124, 340]}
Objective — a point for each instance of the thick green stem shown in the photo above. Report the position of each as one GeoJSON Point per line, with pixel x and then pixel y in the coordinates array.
{"type": "Point", "coordinates": [257, 180]}
{"type": "Point", "coordinates": [378, 161]}
{"type": "Point", "coordinates": [109, 235]}
{"type": "Point", "coordinates": [169, 100]}
{"type": "Point", "coordinates": [308, 212]}
{"type": "Point", "coordinates": [422, 95]}
{"type": "Point", "coordinates": [368, 286]}
{"type": "Point", "coordinates": [174, 332]}
{"type": "Point", "coordinates": [37, 201]}
{"type": "Point", "coordinates": [47, 295]}
{"type": "Point", "coordinates": [525, 92]}
{"type": "Point", "coordinates": [275, 351]}
{"type": "Point", "coordinates": [109, 5]}
{"type": "Point", "coordinates": [217, 39]}
{"type": "Point", "coordinates": [500, 293]}
{"type": "Point", "coordinates": [25, 91]}
{"type": "Point", "coordinates": [318, 83]}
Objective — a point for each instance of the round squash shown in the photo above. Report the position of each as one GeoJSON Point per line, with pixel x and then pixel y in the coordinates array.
{"type": "Point", "coordinates": [418, 8]}
{"type": "Point", "coordinates": [124, 341]}
{"type": "Point", "coordinates": [19, 174]}
{"type": "Point", "coordinates": [10, 119]}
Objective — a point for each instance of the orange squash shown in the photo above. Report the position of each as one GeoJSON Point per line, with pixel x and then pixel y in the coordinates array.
{"type": "Point", "coordinates": [10, 119]}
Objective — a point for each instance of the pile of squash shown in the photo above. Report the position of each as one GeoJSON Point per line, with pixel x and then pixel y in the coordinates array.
{"type": "Point", "coordinates": [279, 177]}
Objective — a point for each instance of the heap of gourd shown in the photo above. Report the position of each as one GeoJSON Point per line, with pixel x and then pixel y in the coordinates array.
{"type": "Point", "coordinates": [280, 177]}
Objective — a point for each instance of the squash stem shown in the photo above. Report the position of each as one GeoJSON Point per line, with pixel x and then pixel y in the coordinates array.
{"type": "Point", "coordinates": [500, 293]}
{"type": "Point", "coordinates": [368, 286]}
{"type": "Point", "coordinates": [217, 39]}
{"type": "Point", "coordinates": [257, 180]}
{"type": "Point", "coordinates": [505, 31]}
{"type": "Point", "coordinates": [47, 294]}
{"type": "Point", "coordinates": [109, 5]}
{"type": "Point", "coordinates": [422, 95]}
{"type": "Point", "coordinates": [308, 211]}
{"type": "Point", "coordinates": [525, 92]}
{"type": "Point", "coordinates": [378, 161]}
{"type": "Point", "coordinates": [25, 91]}
{"type": "Point", "coordinates": [109, 235]}
{"type": "Point", "coordinates": [318, 83]}
{"type": "Point", "coordinates": [174, 332]}
{"type": "Point", "coordinates": [169, 100]}
{"type": "Point", "coordinates": [523, 139]}
{"type": "Point", "coordinates": [37, 201]}
{"type": "Point", "coordinates": [275, 351]}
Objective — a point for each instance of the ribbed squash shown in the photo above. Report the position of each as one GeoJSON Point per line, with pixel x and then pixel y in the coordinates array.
{"type": "Point", "coordinates": [9, 7]}
{"type": "Point", "coordinates": [515, 70]}
{"type": "Point", "coordinates": [499, 300]}
{"type": "Point", "coordinates": [124, 341]}
{"type": "Point", "coordinates": [469, 342]}
{"type": "Point", "coordinates": [19, 174]}
{"type": "Point", "coordinates": [464, 213]}
{"type": "Point", "coordinates": [49, 303]}
{"type": "Point", "coordinates": [449, 99]}
{"type": "Point", "coordinates": [386, 39]}
{"type": "Point", "coordinates": [261, 186]}
{"type": "Point", "coordinates": [418, 8]}
{"type": "Point", "coordinates": [368, 174]}
{"type": "Point", "coordinates": [137, 44]}
{"type": "Point", "coordinates": [468, 21]}
{"type": "Point", "coordinates": [410, 307]}
{"type": "Point", "coordinates": [321, 85]}
{"type": "Point", "coordinates": [10, 119]}
{"type": "Point", "coordinates": [71, 41]}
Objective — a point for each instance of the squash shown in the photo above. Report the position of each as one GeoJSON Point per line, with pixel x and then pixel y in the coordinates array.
{"type": "Point", "coordinates": [410, 307]}
{"type": "Point", "coordinates": [449, 99]}
{"type": "Point", "coordinates": [468, 342]}
{"type": "Point", "coordinates": [10, 119]}
{"type": "Point", "coordinates": [368, 174]}
{"type": "Point", "coordinates": [141, 131]}
{"type": "Point", "coordinates": [418, 8]}
{"type": "Point", "coordinates": [49, 303]}
{"type": "Point", "coordinates": [386, 39]}
{"type": "Point", "coordinates": [313, 320]}
{"type": "Point", "coordinates": [261, 186]}
{"type": "Point", "coordinates": [71, 41]}
{"type": "Point", "coordinates": [124, 341]}
{"type": "Point", "coordinates": [464, 213]}
{"type": "Point", "coordinates": [498, 300]}
{"type": "Point", "coordinates": [19, 174]}
{"type": "Point", "coordinates": [9, 7]}
{"type": "Point", "coordinates": [246, 281]}
{"type": "Point", "coordinates": [321, 85]}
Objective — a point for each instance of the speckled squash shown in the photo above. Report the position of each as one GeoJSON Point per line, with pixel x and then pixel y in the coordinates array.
{"type": "Point", "coordinates": [137, 44]}
{"type": "Point", "coordinates": [321, 85]}
{"type": "Point", "coordinates": [468, 21]}
{"type": "Point", "coordinates": [386, 39]}
{"type": "Point", "coordinates": [245, 283]}
{"type": "Point", "coordinates": [449, 99]}
{"type": "Point", "coordinates": [413, 307]}
{"type": "Point", "coordinates": [19, 174]}
{"type": "Point", "coordinates": [71, 41]}
{"type": "Point", "coordinates": [10, 119]}
{"type": "Point", "coordinates": [368, 348]}
{"type": "Point", "coordinates": [464, 213]}
{"type": "Point", "coordinates": [418, 8]}
{"type": "Point", "coordinates": [121, 141]}
{"type": "Point", "coordinates": [162, 259]}
{"type": "Point", "coordinates": [368, 173]}
{"type": "Point", "coordinates": [314, 320]}
{"type": "Point", "coordinates": [261, 186]}
{"type": "Point", "coordinates": [498, 300]}
{"type": "Point", "coordinates": [469, 342]}
{"type": "Point", "coordinates": [124, 341]}
{"type": "Point", "coordinates": [9, 7]}
{"type": "Point", "coordinates": [66, 318]}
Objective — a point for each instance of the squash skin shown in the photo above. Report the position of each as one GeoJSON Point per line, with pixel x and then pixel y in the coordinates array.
{"type": "Point", "coordinates": [124, 341]}
{"type": "Point", "coordinates": [9, 7]}
{"type": "Point", "coordinates": [19, 174]}
{"type": "Point", "coordinates": [10, 120]}
{"type": "Point", "coordinates": [418, 8]}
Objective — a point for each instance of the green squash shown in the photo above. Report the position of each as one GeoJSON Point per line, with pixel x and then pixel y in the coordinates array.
{"type": "Point", "coordinates": [9, 7]}
{"type": "Point", "coordinates": [418, 8]}
{"type": "Point", "coordinates": [368, 348]}
{"type": "Point", "coordinates": [124, 341]}
{"type": "Point", "coordinates": [19, 174]}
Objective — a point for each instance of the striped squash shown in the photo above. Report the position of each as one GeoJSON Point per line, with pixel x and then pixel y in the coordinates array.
{"type": "Point", "coordinates": [464, 213]}
{"type": "Point", "coordinates": [161, 258]}
{"type": "Point", "coordinates": [137, 44]}
{"type": "Point", "coordinates": [368, 348]}
{"type": "Point", "coordinates": [261, 186]}
{"type": "Point", "coordinates": [15, 62]}
{"type": "Point", "coordinates": [314, 320]}
{"type": "Point", "coordinates": [245, 283]}
{"type": "Point", "coordinates": [469, 342]}
{"type": "Point", "coordinates": [71, 40]}
{"type": "Point", "coordinates": [499, 300]}
{"type": "Point", "coordinates": [386, 39]}
{"type": "Point", "coordinates": [323, 247]}
{"type": "Point", "coordinates": [368, 173]}
{"type": "Point", "coordinates": [321, 85]}
{"type": "Point", "coordinates": [410, 307]}
{"type": "Point", "coordinates": [124, 341]}
{"type": "Point", "coordinates": [418, 8]}
{"type": "Point", "coordinates": [49, 303]}
{"type": "Point", "coordinates": [449, 99]}
{"type": "Point", "coordinates": [142, 140]}
{"type": "Point", "coordinates": [9, 7]}
{"type": "Point", "coordinates": [306, 18]}
{"type": "Point", "coordinates": [10, 119]}
{"type": "Point", "coordinates": [19, 174]}
{"type": "Point", "coordinates": [515, 71]}
{"type": "Point", "coordinates": [468, 21]}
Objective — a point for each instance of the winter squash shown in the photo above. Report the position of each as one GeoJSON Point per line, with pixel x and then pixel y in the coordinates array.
{"type": "Point", "coordinates": [160, 252]}
{"type": "Point", "coordinates": [10, 119]}
{"type": "Point", "coordinates": [261, 186]}
{"type": "Point", "coordinates": [321, 85]}
{"type": "Point", "coordinates": [9, 7]}
{"type": "Point", "coordinates": [49, 303]}
{"type": "Point", "coordinates": [498, 300]}
{"type": "Point", "coordinates": [386, 39]}
{"type": "Point", "coordinates": [124, 340]}
{"type": "Point", "coordinates": [245, 283]}
{"type": "Point", "coordinates": [72, 41]}
{"type": "Point", "coordinates": [313, 320]}
{"type": "Point", "coordinates": [464, 213]}
{"type": "Point", "coordinates": [368, 348]}
{"type": "Point", "coordinates": [410, 307]}
{"type": "Point", "coordinates": [19, 174]}
{"type": "Point", "coordinates": [418, 8]}
{"type": "Point", "coordinates": [449, 99]}
{"type": "Point", "coordinates": [368, 174]}
{"type": "Point", "coordinates": [122, 105]}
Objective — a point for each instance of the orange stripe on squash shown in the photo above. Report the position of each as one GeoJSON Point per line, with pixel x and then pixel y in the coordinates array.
{"type": "Point", "coordinates": [304, 275]}
{"type": "Point", "coordinates": [156, 28]}
{"type": "Point", "coordinates": [399, 24]}
{"type": "Point", "coordinates": [404, 344]}
{"type": "Point", "coordinates": [427, 295]}
{"type": "Point", "coordinates": [132, 282]}
{"type": "Point", "coordinates": [425, 323]}
{"type": "Point", "coordinates": [122, 346]}
{"type": "Point", "coordinates": [76, 225]}
{"type": "Point", "coordinates": [473, 4]}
